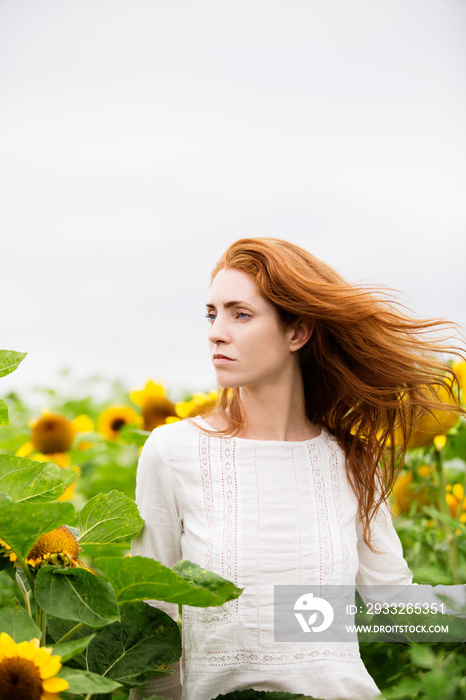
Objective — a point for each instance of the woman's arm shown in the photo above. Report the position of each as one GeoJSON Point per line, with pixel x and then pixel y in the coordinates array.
{"type": "Point", "coordinates": [156, 498]}
{"type": "Point", "coordinates": [385, 568]}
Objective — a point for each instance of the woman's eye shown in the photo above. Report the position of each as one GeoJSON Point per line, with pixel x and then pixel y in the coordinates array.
{"type": "Point", "coordinates": [210, 316]}
{"type": "Point", "coordinates": [241, 314]}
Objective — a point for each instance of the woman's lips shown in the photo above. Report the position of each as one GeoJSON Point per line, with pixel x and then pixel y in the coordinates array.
{"type": "Point", "coordinates": [222, 360]}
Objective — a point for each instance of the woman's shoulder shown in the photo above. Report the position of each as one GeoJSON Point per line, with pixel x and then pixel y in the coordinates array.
{"type": "Point", "coordinates": [176, 435]}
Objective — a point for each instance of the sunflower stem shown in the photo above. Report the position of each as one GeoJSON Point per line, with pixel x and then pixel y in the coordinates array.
{"type": "Point", "coordinates": [27, 572]}
{"type": "Point", "coordinates": [443, 508]}
{"type": "Point", "coordinates": [41, 622]}
{"type": "Point", "coordinates": [27, 601]}
{"type": "Point", "coordinates": [70, 633]}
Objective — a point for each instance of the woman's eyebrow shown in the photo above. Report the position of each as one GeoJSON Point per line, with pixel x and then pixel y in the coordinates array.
{"type": "Point", "coordinates": [229, 304]}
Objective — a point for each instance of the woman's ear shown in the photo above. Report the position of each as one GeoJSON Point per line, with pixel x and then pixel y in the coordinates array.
{"type": "Point", "coordinates": [302, 331]}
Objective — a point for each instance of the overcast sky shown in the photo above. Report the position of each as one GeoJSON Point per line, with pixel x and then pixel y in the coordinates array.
{"type": "Point", "coordinates": [139, 139]}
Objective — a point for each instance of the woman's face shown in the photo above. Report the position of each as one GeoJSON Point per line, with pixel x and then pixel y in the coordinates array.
{"type": "Point", "coordinates": [248, 345]}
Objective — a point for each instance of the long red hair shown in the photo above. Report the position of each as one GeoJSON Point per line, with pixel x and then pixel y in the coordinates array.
{"type": "Point", "coordinates": [369, 370]}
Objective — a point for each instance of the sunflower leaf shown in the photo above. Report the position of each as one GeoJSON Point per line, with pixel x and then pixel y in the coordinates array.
{"type": "Point", "coordinates": [69, 649]}
{"type": "Point", "coordinates": [26, 480]}
{"type": "Point", "coordinates": [86, 682]}
{"type": "Point", "coordinates": [3, 413]}
{"type": "Point", "coordinates": [9, 361]}
{"type": "Point", "coordinates": [109, 517]}
{"type": "Point", "coordinates": [18, 624]}
{"type": "Point", "coordinates": [141, 578]}
{"type": "Point", "coordinates": [133, 436]}
{"type": "Point", "coordinates": [21, 524]}
{"type": "Point", "coordinates": [144, 643]}
{"type": "Point", "coordinates": [76, 594]}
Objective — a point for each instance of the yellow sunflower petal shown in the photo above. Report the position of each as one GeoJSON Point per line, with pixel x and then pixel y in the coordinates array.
{"type": "Point", "coordinates": [458, 492]}
{"type": "Point", "coordinates": [440, 441]}
{"type": "Point", "coordinates": [452, 504]}
{"type": "Point", "coordinates": [150, 391]}
{"type": "Point", "coordinates": [55, 685]}
{"type": "Point", "coordinates": [28, 650]}
{"type": "Point", "coordinates": [83, 424]}
{"type": "Point", "coordinates": [42, 656]}
{"type": "Point", "coordinates": [50, 667]}
{"type": "Point", "coordinates": [7, 645]}
{"type": "Point", "coordinates": [114, 418]}
{"type": "Point", "coordinates": [25, 449]}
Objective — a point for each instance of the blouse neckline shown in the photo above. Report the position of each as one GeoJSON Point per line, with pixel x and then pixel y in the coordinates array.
{"type": "Point", "coordinates": [252, 441]}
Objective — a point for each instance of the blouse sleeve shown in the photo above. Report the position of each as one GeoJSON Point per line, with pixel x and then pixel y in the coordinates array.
{"type": "Point", "coordinates": [156, 498]}
{"type": "Point", "coordinates": [386, 566]}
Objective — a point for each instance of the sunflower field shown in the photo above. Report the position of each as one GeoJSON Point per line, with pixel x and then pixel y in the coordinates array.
{"type": "Point", "coordinates": [73, 621]}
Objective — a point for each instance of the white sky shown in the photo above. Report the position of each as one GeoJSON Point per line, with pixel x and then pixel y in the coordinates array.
{"type": "Point", "coordinates": [138, 139]}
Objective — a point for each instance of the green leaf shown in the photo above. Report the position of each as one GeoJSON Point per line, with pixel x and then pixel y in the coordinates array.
{"type": "Point", "coordinates": [206, 582]}
{"type": "Point", "coordinates": [3, 413]}
{"type": "Point", "coordinates": [26, 480]}
{"type": "Point", "coordinates": [143, 644]}
{"type": "Point", "coordinates": [69, 649]}
{"type": "Point", "coordinates": [9, 361]}
{"type": "Point", "coordinates": [86, 682]}
{"type": "Point", "coordinates": [21, 524]}
{"type": "Point", "coordinates": [422, 656]}
{"type": "Point", "coordinates": [133, 436]}
{"type": "Point", "coordinates": [76, 594]}
{"type": "Point", "coordinates": [109, 517]}
{"type": "Point", "coordinates": [141, 578]}
{"type": "Point", "coordinates": [18, 624]}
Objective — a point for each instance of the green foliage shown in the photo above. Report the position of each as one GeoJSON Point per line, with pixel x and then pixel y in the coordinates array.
{"type": "Point", "coordinates": [4, 418]}
{"type": "Point", "coordinates": [86, 682]}
{"type": "Point", "coordinates": [15, 621]}
{"type": "Point", "coordinates": [68, 650]}
{"type": "Point", "coordinates": [109, 517]}
{"type": "Point", "coordinates": [76, 594]}
{"type": "Point", "coordinates": [96, 620]}
{"type": "Point", "coordinates": [139, 578]}
{"type": "Point", "coordinates": [9, 361]}
{"type": "Point", "coordinates": [21, 524]}
{"type": "Point", "coordinates": [25, 480]}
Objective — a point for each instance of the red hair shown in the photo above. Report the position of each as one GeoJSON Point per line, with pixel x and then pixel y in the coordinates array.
{"type": "Point", "coordinates": [368, 369]}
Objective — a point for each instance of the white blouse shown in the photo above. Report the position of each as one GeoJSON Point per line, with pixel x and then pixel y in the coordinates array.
{"type": "Point", "coordinates": [258, 513]}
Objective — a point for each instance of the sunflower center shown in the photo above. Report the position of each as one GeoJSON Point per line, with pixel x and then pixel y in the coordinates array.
{"type": "Point", "coordinates": [19, 680]}
{"type": "Point", "coordinates": [52, 433]}
{"type": "Point", "coordinates": [117, 424]}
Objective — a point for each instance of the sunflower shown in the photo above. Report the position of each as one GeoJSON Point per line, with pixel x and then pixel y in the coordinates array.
{"type": "Point", "coordinates": [83, 424]}
{"type": "Point", "coordinates": [198, 404]}
{"type": "Point", "coordinates": [433, 423]}
{"type": "Point", "coordinates": [460, 370]}
{"type": "Point", "coordinates": [58, 546]}
{"type": "Point", "coordinates": [52, 433]}
{"type": "Point", "coordinates": [113, 419]}
{"type": "Point", "coordinates": [155, 406]}
{"type": "Point", "coordinates": [28, 671]}
{"type": "Point", "coordinates": [406, 491]}
{"type": "Point", "coordinates": [6, 551]}
{"type": "Point", "coordinates": [455, 500]}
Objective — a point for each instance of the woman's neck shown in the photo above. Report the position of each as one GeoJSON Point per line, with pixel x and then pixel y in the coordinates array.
{"type": "Point", "coordinates": [275, 413]}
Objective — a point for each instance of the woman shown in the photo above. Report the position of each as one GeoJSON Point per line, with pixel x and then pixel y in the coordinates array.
{"type": "Point", "coordinates": [281, 484]}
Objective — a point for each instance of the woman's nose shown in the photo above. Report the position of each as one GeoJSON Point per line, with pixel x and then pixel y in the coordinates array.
{"type": "Point", "coordinates": [218, 332]}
